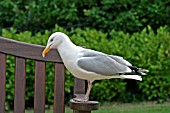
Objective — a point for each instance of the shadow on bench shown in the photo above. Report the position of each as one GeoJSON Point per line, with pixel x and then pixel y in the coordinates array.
{"type": "Point", "coordinates": [22, 52]}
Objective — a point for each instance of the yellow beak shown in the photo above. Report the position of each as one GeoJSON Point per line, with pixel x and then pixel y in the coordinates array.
{"type": "Point", "coordinates": [46, 50]}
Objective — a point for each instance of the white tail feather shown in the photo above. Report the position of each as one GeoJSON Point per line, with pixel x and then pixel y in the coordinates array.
{"type": "Point", "coordinates": [136, 77]}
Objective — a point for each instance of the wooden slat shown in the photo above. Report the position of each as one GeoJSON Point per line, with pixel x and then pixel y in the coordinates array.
{"type": "Point", "coordinates": [25, 50]}
{"type": "Point", "coordinates": [20, 83]}
{"type": "Point", "coordinates": [2, 82]}
{"type": "Point", "coordinates": [59, 88]}
{"type": "Point", "coordinates": [39, 94]}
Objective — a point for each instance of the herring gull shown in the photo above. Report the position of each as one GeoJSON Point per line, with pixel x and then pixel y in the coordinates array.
{"type": "Point", "coordinates": [91, 65]}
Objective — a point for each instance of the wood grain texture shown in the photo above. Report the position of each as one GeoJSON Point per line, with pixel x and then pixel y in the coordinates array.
{"type": "Point", "coordinates": [78, 111]}
{"type": "Point", "coordinates": [83, 107]}
{"type": "Point", "coordinates": [59, 88]}
{"type": "Point", "coordinates": [2, 82]}
{"type": "Point", "coordinates": [79, 86]}
{"type": "Point", "coordinates": [20, 84]}
{"type": "Point", "coordinates": [25, 50]}
{"type": "Point", "coordinates": [39, 89]}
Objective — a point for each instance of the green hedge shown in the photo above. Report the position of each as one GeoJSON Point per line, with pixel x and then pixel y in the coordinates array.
{"type": "Point", "coordinates": [121, 15]}
{"type": "Point", "coordinates": [143, 49]}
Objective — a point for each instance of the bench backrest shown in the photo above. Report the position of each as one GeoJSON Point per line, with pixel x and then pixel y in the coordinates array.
{"type": "Point", "coordinates": [23, 51]}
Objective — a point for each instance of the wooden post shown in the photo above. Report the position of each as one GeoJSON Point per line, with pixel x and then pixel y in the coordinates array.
{"type": "Point", "coordinates": [82, 107]}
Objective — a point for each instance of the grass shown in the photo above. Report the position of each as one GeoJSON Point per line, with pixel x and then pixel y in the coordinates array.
{"type": "Point", "coordinates": [127, 108]}
{"type": "Point", "coordinates": [135, 108]}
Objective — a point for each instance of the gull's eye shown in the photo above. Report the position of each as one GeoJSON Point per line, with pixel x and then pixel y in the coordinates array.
{"type": "Point", "coordinates": [51, 40]}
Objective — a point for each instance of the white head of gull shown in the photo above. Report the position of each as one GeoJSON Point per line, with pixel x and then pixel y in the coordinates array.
{"type": "Point", "coordinates": [91, 65]}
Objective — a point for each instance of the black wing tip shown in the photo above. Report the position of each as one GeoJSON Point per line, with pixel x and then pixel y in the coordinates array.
{"type": "Point", "coordinates": [138, 71]}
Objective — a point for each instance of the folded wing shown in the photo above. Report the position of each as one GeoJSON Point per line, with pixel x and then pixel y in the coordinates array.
{"type": "Point", "coordinates": [102, 64]}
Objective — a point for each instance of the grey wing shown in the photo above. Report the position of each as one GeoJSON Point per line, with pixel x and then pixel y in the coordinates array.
{"type": "Point", "coordinates": [120, 60]}
{"type": "Point", "coordinates": [100, 63]}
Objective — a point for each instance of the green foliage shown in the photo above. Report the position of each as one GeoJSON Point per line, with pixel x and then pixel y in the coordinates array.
{"type": "Point", "coordinates": [143, 49]}
{"type": "Point", "coordinates": [10, 81]}
{"type": "Point", "coordinates": [116, 90]}
{"type": "Point", "coordinates": [121, 15]}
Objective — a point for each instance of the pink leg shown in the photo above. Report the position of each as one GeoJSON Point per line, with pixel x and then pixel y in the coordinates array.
{"type": "Point", "coordinates": [86, 98]}
{"type": "Point", "coordinates": [88, 90]}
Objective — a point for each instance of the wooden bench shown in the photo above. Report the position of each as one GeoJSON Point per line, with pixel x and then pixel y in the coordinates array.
{"type": "Point", "coordinates": [22, 52]}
